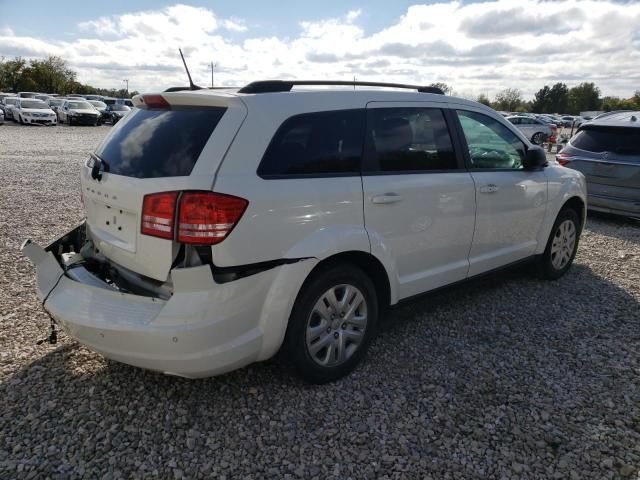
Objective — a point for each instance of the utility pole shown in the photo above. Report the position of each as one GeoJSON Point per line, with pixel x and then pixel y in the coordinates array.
{"type": "Point", "coordinates": [212, 67]}
{"type": "Point", "coordinates": [126, 81]}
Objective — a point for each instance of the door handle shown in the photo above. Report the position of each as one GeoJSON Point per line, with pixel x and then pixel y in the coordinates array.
{"type": "Point", "coordinates": [491, 188]}
{"type": "Point", "coordinates": [389, 197]}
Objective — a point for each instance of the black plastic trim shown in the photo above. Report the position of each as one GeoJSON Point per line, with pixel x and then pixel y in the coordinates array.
{"type": "Point", "coordinates": [230, 274]}
{"type": "Point", "coordinates": [272, 86]}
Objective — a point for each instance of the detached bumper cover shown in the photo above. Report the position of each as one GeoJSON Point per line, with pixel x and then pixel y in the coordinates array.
{"type": "Point", "coordinates": [204, 329]}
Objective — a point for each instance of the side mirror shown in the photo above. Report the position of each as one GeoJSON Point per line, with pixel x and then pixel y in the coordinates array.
{"type": "Point", "coordinates": [535, 158]}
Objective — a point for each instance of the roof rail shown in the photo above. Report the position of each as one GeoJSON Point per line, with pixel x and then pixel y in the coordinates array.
{"type": "Point", "coordinates": [180, 89]}
{"type": "Point", "coordinates": [269, 86]}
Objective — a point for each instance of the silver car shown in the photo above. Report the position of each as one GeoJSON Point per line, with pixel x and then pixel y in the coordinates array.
{"type": "Point", "coordinates": [536, 130]}
{"type": "Point", "coordinates": [607, 151]}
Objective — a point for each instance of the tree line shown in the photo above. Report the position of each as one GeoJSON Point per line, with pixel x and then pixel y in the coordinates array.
{"type": "Point", "coordinates": [559, 98]}
{"type": "Point", "coordinates": [50, 75]}
{"type": "Point", "coordinates": [53, 75]}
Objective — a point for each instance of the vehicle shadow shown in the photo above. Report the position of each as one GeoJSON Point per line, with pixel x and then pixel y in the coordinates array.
{"type": "Point", "coordinates": [465, 380]}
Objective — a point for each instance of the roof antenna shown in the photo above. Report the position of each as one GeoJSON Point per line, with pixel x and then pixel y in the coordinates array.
{"type": "Point", "coordinates": [192, 85]}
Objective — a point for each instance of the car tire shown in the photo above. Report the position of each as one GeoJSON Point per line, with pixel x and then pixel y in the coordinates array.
{"type": "Point", "coordinates": [562, 245]}
{"type": "Point", "coordinates": [70, 121]}
{"type": "Point", "coordinates": [538, 138]}
{"type": "Point", "coordinates": [332, 323]}
{"type": "Point", "coordinates": [20, 120]}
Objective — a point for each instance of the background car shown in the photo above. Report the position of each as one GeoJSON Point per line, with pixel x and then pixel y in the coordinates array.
{"type": "Point", "coordinates": [538, 131]}
{"type": "Point", "coordinates": [27, 94]}
{"type": "Point", "coordinates": [54, 103]}
{"type": "Point", "coordinates": [1, 117]}
{"type": "Point", "coordinates": [9, 103]}
{"type": "Point", "coordinates": [102, 108]}
{"type": "Point", "coordinates": [30, 111]}
{"type": "Point", "coordinates": [572, 121]}
{"type": "Point", "coordinates": [116, 112]}
{"type": "Point", "coordinates": [79, 112]}
{"type": "Point", "coordinates": [607, 151]}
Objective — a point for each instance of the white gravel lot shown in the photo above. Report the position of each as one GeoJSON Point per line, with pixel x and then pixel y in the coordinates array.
{"type": "Point", "coordinates": [503, 377]}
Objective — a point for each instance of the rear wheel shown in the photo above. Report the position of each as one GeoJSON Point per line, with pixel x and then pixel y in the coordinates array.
{"type": "Point", "coordinates": [332, 323]}
{"type": "Point", "coordinates": [561, 246]}
{"type": "Point", "coordinates": [538, 138]}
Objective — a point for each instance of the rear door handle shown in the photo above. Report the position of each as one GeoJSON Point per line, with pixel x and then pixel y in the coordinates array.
{"type": "Point", "coordinates": [491, 188]}
{"type": "Point", "coordinates": [390, 197]}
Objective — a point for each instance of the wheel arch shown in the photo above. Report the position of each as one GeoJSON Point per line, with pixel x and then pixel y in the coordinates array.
{"type": "Point", "coordinates": [368, 263]}
{"type": "Point", "coordinates": [577, 204]}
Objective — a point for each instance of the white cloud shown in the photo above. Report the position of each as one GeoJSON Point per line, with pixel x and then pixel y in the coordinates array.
{"type": "Point", "coordinates": [6, 32]}
{"type": "Point", "coordinates": [479, 47]}
{"type": "Point", "coordinates": [234, 25]}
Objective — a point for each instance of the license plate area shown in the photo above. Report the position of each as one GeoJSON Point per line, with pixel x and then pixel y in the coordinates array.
{"type": "Point", "coordinates": [114, 225]}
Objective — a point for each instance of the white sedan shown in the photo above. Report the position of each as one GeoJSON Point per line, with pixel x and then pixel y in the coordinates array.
{"type": "Point", "coordinates": [535, 130]}
{"type": "Point", "coordinates": [30, 111]}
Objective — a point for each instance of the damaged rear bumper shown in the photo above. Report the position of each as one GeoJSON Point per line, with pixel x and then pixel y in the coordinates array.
{"type": "Point", "coordinates": [204, 328]}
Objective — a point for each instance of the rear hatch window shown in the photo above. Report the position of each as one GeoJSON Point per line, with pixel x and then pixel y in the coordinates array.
{"type": "Point", "coordinates": [622, 141]}
{"type": "Point", "coordinates": [159, 143]}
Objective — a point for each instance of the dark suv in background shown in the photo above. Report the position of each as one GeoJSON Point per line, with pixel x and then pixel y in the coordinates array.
{"type": "Point", "coordinates": [607, 151]}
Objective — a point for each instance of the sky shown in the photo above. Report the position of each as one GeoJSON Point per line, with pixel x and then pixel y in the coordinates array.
{"type": "Point", "coordinates": [475, 47]}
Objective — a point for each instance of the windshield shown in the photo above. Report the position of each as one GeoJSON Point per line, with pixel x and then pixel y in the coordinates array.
{"type": "Point", "coordinates": [98, 104]}
{"type": "Point", "coordinates": [119, 108]}
{"type": "Point", "coordinates": [55, 102]}
{"type": "Point", "coordinates": [11, 101]}
{"type": "Point", "coordinates": [80, 105]}
{"type": "Point", "coordinates": [33, 104]}
{"type": "Point", "coordinates": [158, 143]}
{"type": "Point", "coordinates": [620, 140]}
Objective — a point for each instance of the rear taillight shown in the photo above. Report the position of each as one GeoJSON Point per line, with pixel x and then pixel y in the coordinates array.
{"type": "Point", "coordinates": [207, 218]}
{"type": "Point", "coordinates": [203, 218]}
{"type": "Point", "coordinates": [564, 158]}
{"type": "Point", "coordinates": [158, 212]}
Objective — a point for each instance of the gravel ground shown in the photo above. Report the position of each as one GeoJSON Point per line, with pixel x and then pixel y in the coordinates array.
{"type": "Point", "coordinates": [505, 377]}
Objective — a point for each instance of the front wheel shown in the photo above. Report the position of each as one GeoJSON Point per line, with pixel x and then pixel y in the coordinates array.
{"type": "Point", "coordinates": [70, 121]}
{"type": "Point", "coordinates": [332, 323]}
{"type": "Point", "coordinates": [562, 245]}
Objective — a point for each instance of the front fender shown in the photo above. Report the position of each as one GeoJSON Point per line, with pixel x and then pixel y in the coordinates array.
{"type": "Point", "coordinates": [563, 184]}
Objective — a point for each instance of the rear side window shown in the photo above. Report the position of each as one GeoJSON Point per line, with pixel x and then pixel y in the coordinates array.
{"type": "Point", "coordinates": [408, 140]}
{"type": "Point", "coordinates": [159, 143]}
{"type": "Point", "coordinates": [320, 143]}
{"type": "Point", "coordinates": [623, 141]}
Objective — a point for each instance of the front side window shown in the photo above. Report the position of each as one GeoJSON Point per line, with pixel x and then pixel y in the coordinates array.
{"type": "Point", "coordinates": [319, 143]}
{"type": "Point", "coordinates": [408, 140]}
{"type": "Point", "coordinates": [491, 144]}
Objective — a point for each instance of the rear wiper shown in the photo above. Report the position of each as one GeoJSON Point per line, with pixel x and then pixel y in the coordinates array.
{"type": "Point", "coordinates": [98, 165]}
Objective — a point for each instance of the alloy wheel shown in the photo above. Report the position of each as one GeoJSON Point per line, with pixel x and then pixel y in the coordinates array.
{"type": "Point", "coordinates": [563, 244]}
{"type": "Point", "coordinates": [336, 325]}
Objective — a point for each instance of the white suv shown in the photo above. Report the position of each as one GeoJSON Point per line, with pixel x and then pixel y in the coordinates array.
{"type": "Point", "coordinates": [222, 226]}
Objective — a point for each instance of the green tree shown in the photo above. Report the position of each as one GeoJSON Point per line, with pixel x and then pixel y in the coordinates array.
{"type": "Point", "coordinates": [508, 99]}
{"type": "Point", "coordinates": [558, 98]}
{"type": "Point", "coordinates": [584, 97]}
{"type": "Point", "coordinates": [551, 99]}
{"type": "Point", "coordinates": [51, 75]}
{"type": "Point", "coordinates": [542, 99]}
{"type": "Point", "coordinates": [483, 99]}
{"type": "Point", "coordinates": [442, 86]}
{"type": "Point", "coordinates": [11, 73]}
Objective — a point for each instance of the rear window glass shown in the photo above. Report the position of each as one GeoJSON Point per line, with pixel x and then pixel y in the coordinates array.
{"type": "Point", "coordinates": [320, 143]}
{"type": "Point", "coordinates": [408, 140]}
{"type": "Point", "coordinates": [158, 143]}
{"type": "Point", "coordinates": [623, 141]}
